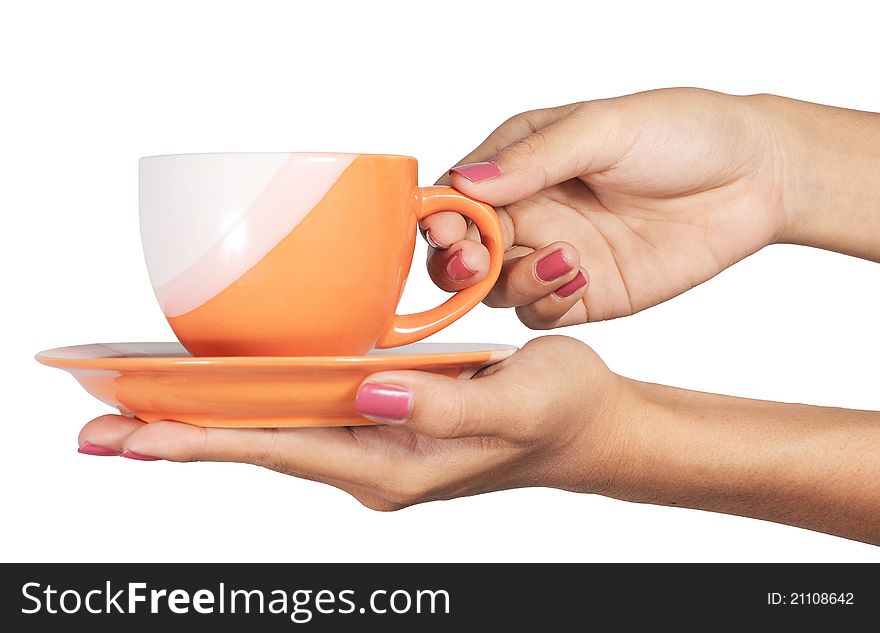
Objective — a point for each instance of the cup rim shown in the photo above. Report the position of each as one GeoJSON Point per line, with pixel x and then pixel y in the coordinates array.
{"type": "Point", "coordinates": [304, 154]}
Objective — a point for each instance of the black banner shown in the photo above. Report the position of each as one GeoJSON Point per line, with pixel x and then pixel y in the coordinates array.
{"type": "Point", "coordinates": [330, 597]}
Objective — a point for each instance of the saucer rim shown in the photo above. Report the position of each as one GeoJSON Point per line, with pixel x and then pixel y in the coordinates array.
{"type": "Point", "coordinates": [129, 363]}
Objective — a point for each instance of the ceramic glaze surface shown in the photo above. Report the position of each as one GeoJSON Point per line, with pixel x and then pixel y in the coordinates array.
{"type": "Point", "coordinates": [294, 254]}
{"type": "Point", "coordinates": [162, 381]}
{"type": "Point", "coordinates": [206, 220]}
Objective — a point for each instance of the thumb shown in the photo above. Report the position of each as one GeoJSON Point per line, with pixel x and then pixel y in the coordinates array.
{"type": "Point", "coordinates": [432, 404]}
{"type": "Point", "coordinates": [585, 141]}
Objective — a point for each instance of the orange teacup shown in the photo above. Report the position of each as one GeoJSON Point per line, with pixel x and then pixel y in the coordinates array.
{"type": "Point", "coordinates": [293, 254]}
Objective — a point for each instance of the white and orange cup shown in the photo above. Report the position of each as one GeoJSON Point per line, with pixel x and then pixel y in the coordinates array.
{"type": "Point", "coordinates": [295, 254]}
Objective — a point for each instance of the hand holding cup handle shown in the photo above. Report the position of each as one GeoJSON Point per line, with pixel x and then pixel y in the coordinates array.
{"type": "Point", "coordinates": [409, 328]}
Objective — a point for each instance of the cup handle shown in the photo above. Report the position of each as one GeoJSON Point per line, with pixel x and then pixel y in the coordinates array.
{"type": "Point", "coordinates": [408, 328]}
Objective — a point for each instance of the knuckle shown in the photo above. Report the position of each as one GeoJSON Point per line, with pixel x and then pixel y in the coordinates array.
{"type": "Point", "coordinates": [452, 417]}
{"type": "Point", "coordinates": [525, 148]}
{"type": "Point", "coordinates": [472, 232]}
{"type": "Point", "coordinates": [276, 463]}
{"type": "Point", "coordinates": [507, 225]}
{"type": "Point", "coordinates": [520, 283]}
{"type": "Point", "coordinates": [584, 110]}
{"type": "Point", "coordinates": [518, 125]}
{"type": "Point", "coordinates": [268, 456]}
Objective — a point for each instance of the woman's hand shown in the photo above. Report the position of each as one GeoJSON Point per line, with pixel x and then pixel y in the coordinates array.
{"type": "Point", "coordinates": [550, 415]}
{"type": "Point", "coordinates": [645, 196]}
{"type": "Point", "coordinates": [553, 415]}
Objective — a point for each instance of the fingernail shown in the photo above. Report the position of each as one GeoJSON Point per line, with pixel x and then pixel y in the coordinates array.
{"type": "Point", "coordinates": [139, 456]}
{"type": "Point", "coordinates": [434, 243]}
{"type": "Point", "coordinates": [383, 402]}
{"type": "Point", "coordinates": [477, 172]}
{"type": "Point", "coordinates": [88, 448]}
{"type": "Point", "coordinates": [566, 290]}
{"type": "Point", "coordinates": [457, 269]}
{"type": "Point", "coordinates": [553, 266]}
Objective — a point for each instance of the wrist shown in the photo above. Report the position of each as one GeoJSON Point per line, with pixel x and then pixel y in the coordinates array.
{"type": "Point", "coordinates": [826, 163]}
{"type": "Point", "coordinates": [648, 435]}
{"type": "Point", "coordinates": [620, 452]}
{"type": "Point", "coordinates": [682, 450]}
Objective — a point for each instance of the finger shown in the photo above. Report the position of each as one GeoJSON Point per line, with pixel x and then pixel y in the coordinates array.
{"type": "Point", "coordinates": [443, 229]}
{"type": "Point", "coordinates": [106, 435]}
{"type": "Point", "coordinates": [548, 312]}
{"type": "Point", "coordinates": [436, 405]}
{"type": "Point", "coordinates": [513, 129]}
{"type": "Point", "coordinates": [461, 266]}
{"type": "Point", "coordinates": [508, 230]}
{"type": "Point", "coordinates": [527, 279]}
{"type": "Point", "coordinates": [586, 141]}
{"type": "Point", "coordinates": [453, 274]}
{"type": "Point", "coordinates": [323, 454]}
{"type": "Point", "coordinates": [109, 434]}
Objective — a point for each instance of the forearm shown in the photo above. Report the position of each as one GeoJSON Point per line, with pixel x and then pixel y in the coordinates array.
{"type": "Point", "coordinates": [828, 164]}
{"type": "Point", "coordinates": [812, 467]}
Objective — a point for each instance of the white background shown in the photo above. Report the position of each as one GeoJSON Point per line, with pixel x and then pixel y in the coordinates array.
{"type": "Point", "coordinates": [91, 86]}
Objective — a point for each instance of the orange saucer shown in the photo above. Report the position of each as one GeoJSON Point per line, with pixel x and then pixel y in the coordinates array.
{"type": "Point", "coordinates": [161, 381]}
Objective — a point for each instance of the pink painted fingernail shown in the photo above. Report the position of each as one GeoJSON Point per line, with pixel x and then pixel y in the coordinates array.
{"type": "Point", "coordinates": [566, 290]}
{"type": "Point", "coordinates": [477, 172]}
{"type": "Point", "coordinates": [553, 266]}
{"type": "Point", "coordinates": [457, 269]}
{"type": "Point", "coordinates": [88, 448]}
{"type": "Point", "coordinates": [384, 402]}
{"type": "Point", "coordinates": [140, 457]}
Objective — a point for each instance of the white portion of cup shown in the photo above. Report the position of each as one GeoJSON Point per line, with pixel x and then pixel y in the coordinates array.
{"type": "Point", "coordinates": [208, 218]}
